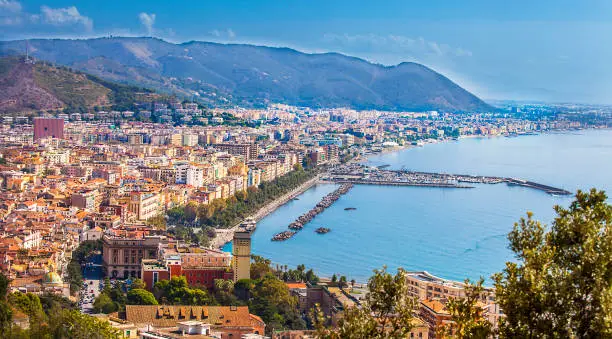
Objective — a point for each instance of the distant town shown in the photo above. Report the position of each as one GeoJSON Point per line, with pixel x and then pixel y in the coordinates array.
{"type": "Point", "coordinates": [109, 197]}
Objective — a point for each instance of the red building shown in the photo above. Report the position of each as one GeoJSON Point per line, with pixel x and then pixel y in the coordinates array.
{"type": "Point", "coordinates": [48, 127]}
{"type": "Point", "coordinates": [201, 267]}
{"type": "Point", "coordinates": [153, 271]}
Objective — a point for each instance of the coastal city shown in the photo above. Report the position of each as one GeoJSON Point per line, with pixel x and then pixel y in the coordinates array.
{"type": "Point", "coordinates": [93, 203]}
{"type": "Point", "coordinates": [305, 169]}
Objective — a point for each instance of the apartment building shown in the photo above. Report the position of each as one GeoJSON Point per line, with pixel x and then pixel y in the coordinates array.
{"type": "Point", "coordinates": [122, 255]}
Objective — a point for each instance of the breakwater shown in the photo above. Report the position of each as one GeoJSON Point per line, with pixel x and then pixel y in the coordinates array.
{"type": "Point", "coordinates": [359, 174]}
{"type": "Point", "coordinates": [305, 218]}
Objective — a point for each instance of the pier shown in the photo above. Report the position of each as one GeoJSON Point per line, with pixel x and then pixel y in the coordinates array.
{"type": "Point", "coordinates": [305, 218]}
{"type": "Point", "coordinates": [360, 174]}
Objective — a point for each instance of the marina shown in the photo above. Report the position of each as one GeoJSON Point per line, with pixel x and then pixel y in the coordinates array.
{"type": "Point", "coordinates": [367, 175]}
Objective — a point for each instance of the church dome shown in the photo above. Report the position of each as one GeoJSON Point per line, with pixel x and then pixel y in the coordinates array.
{"type": "Point", "coordinates": [52, 278]}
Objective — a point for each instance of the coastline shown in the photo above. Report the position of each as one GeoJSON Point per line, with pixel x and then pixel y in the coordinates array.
{"type": "Point", "coordinates": [226, 235]}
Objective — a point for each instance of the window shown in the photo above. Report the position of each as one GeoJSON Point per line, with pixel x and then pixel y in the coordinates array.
{"type": "Point", "coordinates": [155, 277]}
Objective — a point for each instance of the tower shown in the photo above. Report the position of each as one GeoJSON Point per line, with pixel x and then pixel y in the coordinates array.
{"type": "Point", "coordinates": [241, 250]}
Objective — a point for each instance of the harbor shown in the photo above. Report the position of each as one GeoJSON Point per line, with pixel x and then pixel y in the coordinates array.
{"type": "Point", "coordinates": [367, 175]}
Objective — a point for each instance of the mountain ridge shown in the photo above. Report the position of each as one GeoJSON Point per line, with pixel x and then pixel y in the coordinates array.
{"type": "Point", "coordinates": [252, 75]}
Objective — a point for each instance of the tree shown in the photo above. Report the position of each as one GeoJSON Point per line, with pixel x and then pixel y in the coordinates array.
{"type": "Point", "coordinates": [137, 296]}
{"type": "Point", "coordinates": [342, 282]}
{"type": "Point", "coordinates": [158, 222]}
{"type": "Point", "coordinates": [272, 301]}
{"type": "Point", "coordinates": [138, 284]}
{"type": "Point", "coordinates": [176, 291]}
{"type": "Point", "coordinates": [467, 315]}
{"type": "Point", "coordinates": [104, 304]}
{"type": "Point", "coordinates": [4, 284]}
{"type": "Point", "coordinates": [560, 286]}
{"type": "Point", "coordinates": [190, 212]}
{"type": "Point", "coordinates": [29, 304]}
{"type": "Point", "coordinates": [387, 311]}
{"type": "Point", "coordinates": [74, 324]}
{"type": "Point", "coordinates": [260, 267]}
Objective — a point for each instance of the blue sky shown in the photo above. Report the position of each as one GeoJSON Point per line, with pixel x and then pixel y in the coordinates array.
{"type": "Point", "coordinates": [557, 51]}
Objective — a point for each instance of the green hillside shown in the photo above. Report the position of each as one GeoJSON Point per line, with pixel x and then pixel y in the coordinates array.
{"type": "Point", "coordinates": [27, 86]}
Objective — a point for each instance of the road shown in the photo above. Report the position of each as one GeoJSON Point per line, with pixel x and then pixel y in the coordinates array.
{"type": "Point", "coordinates": [92, 274]}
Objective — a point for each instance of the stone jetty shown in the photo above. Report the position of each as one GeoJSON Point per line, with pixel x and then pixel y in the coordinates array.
{"type": "Point", "coordinates": [326, 202]}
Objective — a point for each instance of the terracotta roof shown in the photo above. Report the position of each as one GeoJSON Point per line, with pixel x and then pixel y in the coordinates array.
{"type": "Point", "coordinates": [296, 285]}
{"type": "Point", "coordinates": [169, 315]}
{"type": "Point", "coordinates": [435, 306]}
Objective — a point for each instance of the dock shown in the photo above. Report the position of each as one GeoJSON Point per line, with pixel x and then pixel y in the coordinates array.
{"type": "Point", "coordinates": [366, 175]}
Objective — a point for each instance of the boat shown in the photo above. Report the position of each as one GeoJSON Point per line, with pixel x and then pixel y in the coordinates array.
{"type": "Point", "coordinates": [350, 209]}
{"type": "Point", "coordinates": [282, 236]}
{"type": "Point", "coordinates": [295, 199]}
{"type": "Point", "coordinates": [322, 230]}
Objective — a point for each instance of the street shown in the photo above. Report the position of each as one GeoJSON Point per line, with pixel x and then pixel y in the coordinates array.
{"type": "Point", "coordinates": [92, 274]}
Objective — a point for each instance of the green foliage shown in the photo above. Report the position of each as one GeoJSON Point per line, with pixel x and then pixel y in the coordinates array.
{"type": "Point", "coordinates": [158, 222]}
{"type": "Point", "coordinates": [111, 298]}
{"type": "Point", "coordinates": [51, 316]}
{"type": "Point", "coordinates": [6, 316]}
{"type": "Point", "coordinates": [139, 296]}
{"type": "Point", "coordinates": [52, 301]}
{"type": "Point", "coordinates": [467, 315]}
{"type": "Point", "coordinates": [260, 267]}
{"type": "Point", "coordinates": [104, 304]}
{"type": "Point", "coordinates": [386, 312]}
{"type": "Point", "coordinates": [300, 274]}
{"type": "Point", "coordinates": [223, 293]}
{"type": "Point", "coordinates": [176, 292]}
{"type": "Point", "coordinates": [272, 301]}
{"type": "Point", "coordinates": [138, 284]}
{"type": "Point", "coordinates": [560, 286]}
{"type": "Point", "coordinates": [29, 304]}
{"type": "Point", "coordinates": [188, 234]}
{"type": "Point", "coordinates": [74, 324]}
{"type": "Point", "coordinates": [4, 285]}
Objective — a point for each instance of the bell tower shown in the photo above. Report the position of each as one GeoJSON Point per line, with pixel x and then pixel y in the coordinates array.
{"type": "Point", "coordinates": [241, 251]}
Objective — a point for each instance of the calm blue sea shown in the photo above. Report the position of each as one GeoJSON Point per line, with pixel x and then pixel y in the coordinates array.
{"type": "Point", "coordinates": [452, 233]}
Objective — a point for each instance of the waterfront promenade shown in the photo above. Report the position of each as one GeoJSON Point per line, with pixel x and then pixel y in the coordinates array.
{"type": "Point", "coordinates": [225, 235]}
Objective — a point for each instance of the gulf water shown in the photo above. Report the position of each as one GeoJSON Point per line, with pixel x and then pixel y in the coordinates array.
{"type": "Point", "coordinates": [451, 233]}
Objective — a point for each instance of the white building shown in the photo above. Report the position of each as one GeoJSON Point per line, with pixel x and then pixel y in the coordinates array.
{"type": "Point", "coordinates": [195, 176]}
{"type": "Point", "coordinates": [190, 139]}
{"type": "Point", "coordinates": [58, 157]}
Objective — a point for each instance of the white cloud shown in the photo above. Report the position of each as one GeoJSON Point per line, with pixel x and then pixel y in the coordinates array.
{"type": "Point", "coordinates": [9, 6]}
{"type": "Point", "coordinates": [67, 16]}
{"type": "Point", "coordinates": [10, 13]}
{"type": "Point", "coordinates": [147, 20]}
{"type": "Point", "coordinates": [395, 44]}
{"type": "Point", "coordinates": [223, 34]}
